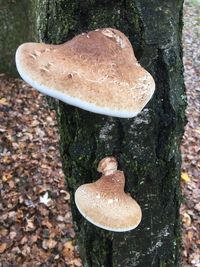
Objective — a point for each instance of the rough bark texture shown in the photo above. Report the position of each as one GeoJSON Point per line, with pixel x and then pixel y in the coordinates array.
{"type": "Point", "coordinates": [147, 147]}
{"type": "Point", "coordinates": [17, 25]}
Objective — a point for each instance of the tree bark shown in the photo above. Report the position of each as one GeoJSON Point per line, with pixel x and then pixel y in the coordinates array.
{"type": "Point", "coordinates": [147, 146]}
{"type": "Point", "coordinates": [17, 25]}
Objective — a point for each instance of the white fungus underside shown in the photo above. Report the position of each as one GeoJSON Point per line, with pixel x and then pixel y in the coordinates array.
{"type": "Point", "coordinates": [69, 99]}
{"type": "Point", "coordinates": [114, 229]}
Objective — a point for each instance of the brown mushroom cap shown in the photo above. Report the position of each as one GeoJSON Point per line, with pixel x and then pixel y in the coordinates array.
{"type": "Point", "coordinates": [105, 204]}
{"type": "Point", "coordinates": [96, 71]}
{"type": "Point", "coordinates": [107, 165]}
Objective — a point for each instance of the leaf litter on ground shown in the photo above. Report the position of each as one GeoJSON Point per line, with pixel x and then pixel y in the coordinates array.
{"type": "Point", "coordinates": [190, 208]}
{"type": "Point", "coordinates": [35, 216]}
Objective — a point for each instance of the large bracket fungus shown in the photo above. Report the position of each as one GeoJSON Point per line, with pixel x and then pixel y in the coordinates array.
{"type": "Point", "coordinates": [96, 71]}
{"type": "Point", "coordinates": [104, 202]}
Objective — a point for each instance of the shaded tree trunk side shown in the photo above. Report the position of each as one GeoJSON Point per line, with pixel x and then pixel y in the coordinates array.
{"type": "Point", "coordinates": [17, 25]}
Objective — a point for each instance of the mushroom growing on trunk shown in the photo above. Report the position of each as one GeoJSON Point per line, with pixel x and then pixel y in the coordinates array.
{"type": "Point", "coordinates": [104, 202]}
{"type": "Point", "coordinates": [96, 71]}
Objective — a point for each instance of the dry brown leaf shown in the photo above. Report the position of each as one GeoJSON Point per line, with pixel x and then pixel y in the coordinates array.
{"type": "Point", "coordinates": [34, 238]}
{"type": "Point", "coordinates": [7, 159]}
{"type": "Point", "coordinates": [7, 176]}
{"type": "Point", "coordinates": [48, 244]}
{"type": "Point", "coordinates": [30, 225]}
{"type": "Point", "coordinates": [197, 206]}
{"type": "Point", "coordinates": [3, 232]}
{"type": "Point", "coordinates": [67, 195]}
{"type": "Point", "coordinates": [19, 215]}
{"type": "Point", "coordinates": [186, 219]}
{"type": "Point", "coordinates": [11, 184]}
{"type": "Point", "coordinates": [47, 223]}
{"type": "Point", "coordinates": [196, 131]}
{"type": "Point", "coordinates": [12, 235]}
{"type": "Point", "coordinates": [57, 257]}
{"type": "Point", "coordinates": [24, 240]}
{"type": "Point", "coordinates": [68, 250]}
{"type": "Point", "coordinates": [26, 250]}
{"type": "Point", "coordinates": [3, 247]}
{"type": "Point", "coordinates": [4, 102]}
{"type": "Point", "coordinates": [190, 235]}
{"type": "Point", "coordinates": [185, 177]}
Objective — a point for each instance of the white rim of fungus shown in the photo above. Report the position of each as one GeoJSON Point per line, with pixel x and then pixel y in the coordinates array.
{"type": "Point", "coordinates": [69, 99]}
{"type": "Point", "coordinates": [103, 226]}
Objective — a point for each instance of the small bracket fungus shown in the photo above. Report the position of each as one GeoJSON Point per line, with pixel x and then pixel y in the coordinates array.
{"type": "Point", "coordinates": [104, 202]}
{"type": "Point", "coordinates": [96, 71]}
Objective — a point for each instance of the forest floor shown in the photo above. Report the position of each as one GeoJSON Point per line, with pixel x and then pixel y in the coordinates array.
{"type": "Point", "coordinates": [35, 219]}
{"type": "Point", "coordinates": [190, 208]}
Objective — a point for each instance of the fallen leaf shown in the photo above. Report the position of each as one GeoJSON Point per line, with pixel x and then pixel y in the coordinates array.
{"type": "Point", "coordinates": [30, 225]}
{"type": "Point", "coordinates": [56, 257]}
{"type": "Point", "coordinates": [3, 101]}
{"type": "Point", "coordinates": [185, 177]}
{"type": "Point", "coordinates": [11, 184]}
{"type": "Point", "coordinates": [7, 160]}
{"type": "Point", "coordinates": [26, 250]}
{"type": "Point", "coordinates": [68, 250]}
{"type": "Point", "coordinates": [186, 219]}
{"type": "Point", "coordinates": [67, 195]}
{"type": "Point", "coordinates": [3, 247]}
{"type": "Point", "coordinates": [60, 218]}
{"type": "Point", "coordinates": [49, 244]}
{"type": "Point", "coordinates": [196, 131]}
{"type": "Point", "coordinates": [24, 240]}
{"type": "Point", "coordinates": [190, 235]}
{"type": "Point", "coordinates": [34, 238]}
{"type": "Point", "coordinates": [12, 235]}
{"type": "Point", "coordinates": [19, 215]}
{"type": "Point", "coordinates": [47, 223]}
{"type": "Point", "coordinates": [45, 199]}
{"type": "Point", "coordinates": [197, 206]}
{"type": "Point", "coordinates": [7, 176]}
{"type": "Point", "coordinates": [3, 232]}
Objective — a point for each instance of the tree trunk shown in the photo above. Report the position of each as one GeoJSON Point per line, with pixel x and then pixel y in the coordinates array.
{"type": "Point", "coordinates": [17, 25]}
{"type": "Point", "coordinates": [147, 146]}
